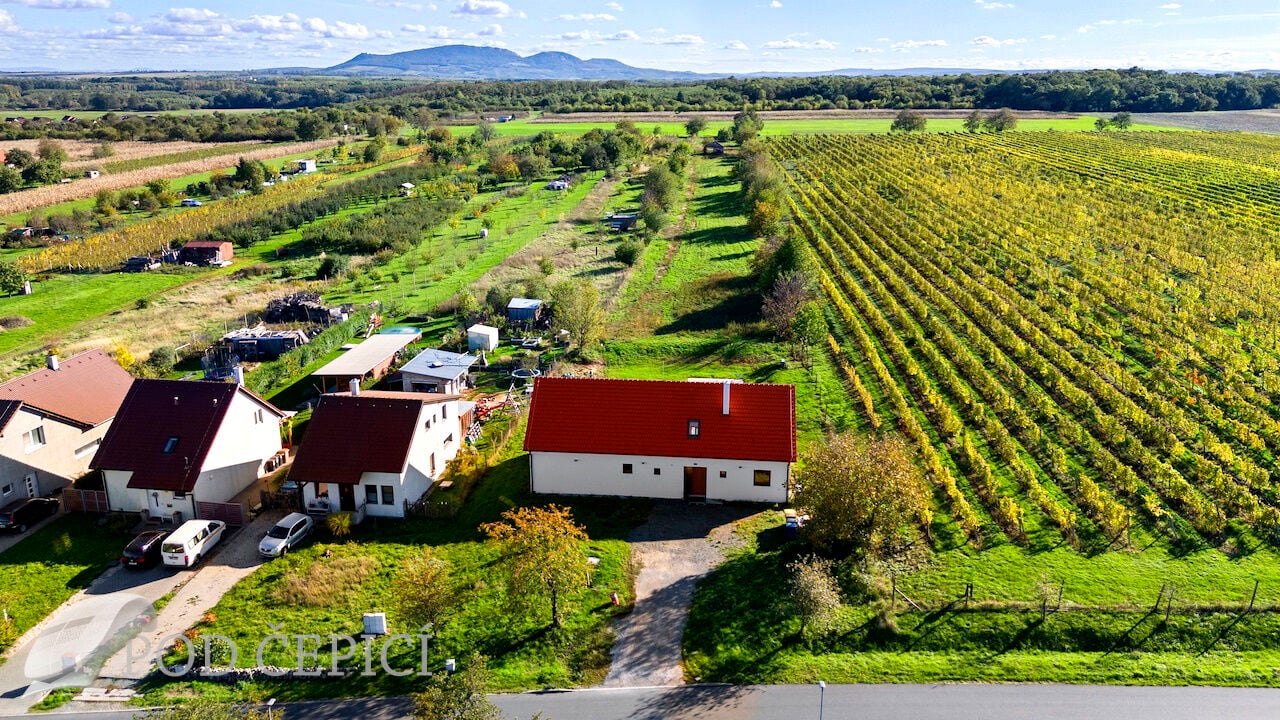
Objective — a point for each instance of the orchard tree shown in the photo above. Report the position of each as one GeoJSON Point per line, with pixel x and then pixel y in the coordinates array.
{"type": "Point", "coordinates": [908, 121]}
{"type": "Point", "coordinates": [50, 149]}
{"type": "Point", "coordinates": [199, 708]}
{"type": "Point", "coordinates": [542, 551]}
{"type": "Point", "coordinates": [815, 594]}
{"type": "Point", "coordinates": [19, 158]}
{"type": "Point", "coordinates": [1000, 120]}
{"type": "Point", "coordinates": [695, 125]}
{"type": "Point", "coordinates": [790, 292]}
{"type": "Point", "coordinates": [373, 149]}
{"type": "Point", "coordinates": [576, 307]}
{"type": "Point", "coordinates": [860, 495]}
{"type": "Point", "coordinates": [460, 695]}
{"type": "Point", "coordinates": [12, 279]}
{"type": "Point", "coordinates": [1121, 121]}
{"type": "Point", "coordinates": [809, 327]}
{"type": "Point", "coordinates": [485, 131]}
{"type": "Point", "coordinates": [973, 122]}
{"type": "Point", "coordinates": [1100, 124]}
{"type": "Point", "coordinates": [10, 179]}
{"type": "Point", "coordinates": [423, 589]}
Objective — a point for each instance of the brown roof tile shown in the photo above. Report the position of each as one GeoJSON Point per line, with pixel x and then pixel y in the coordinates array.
{"type": "Point", "coordinates": [86, 389]}
{"type": "Point", "coordinates": [351, 435]}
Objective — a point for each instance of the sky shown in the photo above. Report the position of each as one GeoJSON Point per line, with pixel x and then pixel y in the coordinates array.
{"type": "Point", "coordinates": [720, 36]}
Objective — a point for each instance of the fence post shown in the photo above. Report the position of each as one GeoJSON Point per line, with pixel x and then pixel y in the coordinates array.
{"type": "Point", "coordinates": [1168, 607]}
{"type": "Point", "coordinates": [893, 594]}
{"type": "Point", "coordinates": [1254, 596]}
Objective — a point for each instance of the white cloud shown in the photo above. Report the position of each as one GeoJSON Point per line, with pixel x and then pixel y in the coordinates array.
{"type": "Point", "coordinates": [867, 50]}
{"type": "Point", "coordinates": [62, 4]}
{"type": "Point", "coordinates": [988, 41]}
{"type": "Point", "coordinates": [793, 44]}
{"type": "Point", "coordinates": [494, 30]}
{"type": "Point", "coordinates": [488, 8]}
{"type": "Point", "coordinates": [578, 36]}
{"type": "Point", "coordinates": [992, 5]}
{"type": "Point", "coordinates": [775, 4]}
{"type": "Point", "coordinates": [588, 17]}
{"type": "Point", "coordinates": [624, 35]}
{"type": "Point", "coordinates": [1048, 37]}
{"type": "Point", "coordinates": [679, 40]}
{"type": "Point", "coordinates": [191, 15]}
{"type": "Point", "coordinates": [120, 18]}
{"type": "Point", "coordinates": [1090, 27]}
{"type": "Point", "coordinates": [401, 5]}
{"type": "Point", "coordinates": [616, 7]}
{"type": "Point", "coordinates": [735, 45]}
{"type": "Point", "coordinates": [339, 29]}
{"type": "Point", "coordinates": [913, 44]}
{"type": "Point", "coordinates": [7, 23]}
{"type": "Point", "coordinates": [1171, 6]}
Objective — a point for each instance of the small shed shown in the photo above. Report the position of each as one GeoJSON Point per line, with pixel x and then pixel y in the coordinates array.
{"type": "Point", "coordinates": [482, 337]}
{"type": "Point", "coordinates": [406, 189]}
{"type": "Point", "coordinates": [208, 252]}
{"type": "Point", "coordinates": [524, 310]}
{"type": "Point", "coordinates": [92, 174]}
{"type": "Point", "coordinates": [307, 166]}
{"type": "Point", "coordinates": [437, 371]}
{"type": "Point", "coordinates": [622, 222]}
{"type": "Point", "coordinates": [713, 148]}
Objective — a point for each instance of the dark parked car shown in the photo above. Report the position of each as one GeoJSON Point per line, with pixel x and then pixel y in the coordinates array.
{"type": "Point", "coordinates": [144, 551]}
{"type": "Point", "coordinates": [20, 515]}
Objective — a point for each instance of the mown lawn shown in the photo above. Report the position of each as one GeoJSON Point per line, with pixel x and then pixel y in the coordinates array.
{"type": "Point", "coordinates": [48, 566]}
{"type": "Point", "coordinates": [525, 651]}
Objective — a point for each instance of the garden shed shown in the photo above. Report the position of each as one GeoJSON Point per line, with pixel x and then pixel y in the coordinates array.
{"type": "Point", "coordinates": [524, 310]}
{"type": "Point", "coordinates": [482, 337]}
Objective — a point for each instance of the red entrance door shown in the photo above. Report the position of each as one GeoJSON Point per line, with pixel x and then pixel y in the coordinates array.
{"type": "Point", "coordinates": [695, 482]}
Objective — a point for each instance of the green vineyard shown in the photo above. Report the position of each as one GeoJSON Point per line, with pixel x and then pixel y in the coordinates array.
{"type": "Point", "coordinates": [1076, 330]}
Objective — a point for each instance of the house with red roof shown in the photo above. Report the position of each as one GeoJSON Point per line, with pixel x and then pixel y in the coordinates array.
{"type": "Point", "coordinates": [376, 453]}
{"type": "Point", "coordinates": [53, 420]}
{"type": "Point", "coordinates": [175, 443]}
{"type": "Point", "coordinates": [697, 440]}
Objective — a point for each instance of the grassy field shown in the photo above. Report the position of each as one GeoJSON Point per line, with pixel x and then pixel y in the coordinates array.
{"type": "Point", "coordinates": [46, 568]}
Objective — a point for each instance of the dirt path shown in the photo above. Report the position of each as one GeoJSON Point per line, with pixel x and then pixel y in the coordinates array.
{"type": "Point", "coordinates": [678, 545]}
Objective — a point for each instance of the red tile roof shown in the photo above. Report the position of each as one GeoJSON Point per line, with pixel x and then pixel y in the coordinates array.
{"type": "Point", "coordinates": [86, 390]}
{"type": "Point", "coordinates": [651, 417]}
{"type": "Point", "coordinates": [153, 412]}
{"type": "Point", "coordinates": [351, 435]}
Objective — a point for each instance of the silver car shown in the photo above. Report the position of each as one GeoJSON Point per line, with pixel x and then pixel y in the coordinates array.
{"type": "Point", "coordinates": [286, 535]}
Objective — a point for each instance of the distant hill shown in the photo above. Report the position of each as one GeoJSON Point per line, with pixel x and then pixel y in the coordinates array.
{"type": "Point", "coordinates": [468, 62]}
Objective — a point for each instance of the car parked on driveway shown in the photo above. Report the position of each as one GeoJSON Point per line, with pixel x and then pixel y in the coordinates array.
{"type": "Point", "coordinates": [144, 551]}
{"type": "Point", "coordinates": [191, 541]}
{"type": "Point", "coordinates": [20, 515]}
{"type": "Point", "coordinates": [286, 535]}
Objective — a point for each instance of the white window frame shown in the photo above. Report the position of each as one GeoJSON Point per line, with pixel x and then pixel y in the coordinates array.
{"type": "Point", "coordinates": [34, 438]}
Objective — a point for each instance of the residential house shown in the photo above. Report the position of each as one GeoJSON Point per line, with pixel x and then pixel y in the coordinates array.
{"type": "Point", "coordinates": [175, 443]}
{"type": "Point", "coordinates": [721, 440]}
{"type": "Point", "coordinates": [437, 371]}
{"type": "Point", "coordinates": [375, 453]}
{"type": "Point", "coordinates": [52, 421]}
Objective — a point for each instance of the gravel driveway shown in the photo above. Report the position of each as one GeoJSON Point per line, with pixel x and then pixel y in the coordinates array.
{"type": "Point", "coordinates": [678, 545]}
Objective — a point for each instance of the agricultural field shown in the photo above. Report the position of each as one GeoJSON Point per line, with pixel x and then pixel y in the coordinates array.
{"type": "Point", "coordinates": [1077, 332]}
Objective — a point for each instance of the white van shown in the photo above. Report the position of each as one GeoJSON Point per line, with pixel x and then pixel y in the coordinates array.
{"type": "Point", "coordinates": [191, 541]}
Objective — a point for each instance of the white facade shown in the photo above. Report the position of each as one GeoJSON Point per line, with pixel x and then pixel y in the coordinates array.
{"type": "Point", "coordinates": [437, 439]}
{"type": "Point", "coordinates": [40, 455]}
{"type": "Point", "coordinates": [248, 436]}
{"type": "Point", "coordinates": [482, 337]}
{"type": "Point", "coordinates": [656, 477]}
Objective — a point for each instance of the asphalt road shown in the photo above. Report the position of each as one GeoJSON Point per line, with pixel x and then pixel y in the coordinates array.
{"type": "Point", "coordinates": [860, 702]}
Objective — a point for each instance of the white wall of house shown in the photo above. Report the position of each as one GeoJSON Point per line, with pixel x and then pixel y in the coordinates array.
{"type": "Point", "coordinates": [412, 382]}
{"type": "Point", "coordinates": [600, 474]}
{"type": "Point", "coordinates": [371, 492]}
{"type": "Point", "coordinates": [248, 437]}
{"type": "Point", "coordinates": [63, 457]}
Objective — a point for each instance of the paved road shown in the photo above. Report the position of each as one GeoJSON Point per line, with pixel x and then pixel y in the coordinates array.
{"type": "Point", "coordinates": [675, 547]}
{"type": "Point", "coordinates": [9, 539]}
{"type": "Point", "coordinates": [863, 702]}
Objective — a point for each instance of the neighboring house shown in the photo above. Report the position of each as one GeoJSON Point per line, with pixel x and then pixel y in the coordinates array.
{"type": "Point", "coordinates": [482, 337]}
{"type": "Point", "coordinates": [208, 252]}
{"type": "Point", "coordinates": [524, 310]}
{"type": "Point", "coordinates": [373, 453]}
{"type": "Point", "coordinates": [661, 439]}
{"type": "Point", "coordinates": [52, 421]}
{"type": "Point", "coordinates": [175, 443]}
{"type": "Point", "coordinates": [369, 359]}
{"type": "Point", "coordinates": [438, 371]}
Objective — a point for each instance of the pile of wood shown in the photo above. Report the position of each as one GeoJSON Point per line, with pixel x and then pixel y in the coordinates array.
{"type": "Point", "coordinates": [298, 307]}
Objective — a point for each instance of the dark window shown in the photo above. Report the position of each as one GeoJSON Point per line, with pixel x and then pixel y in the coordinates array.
{"type": "Point", "coordinates": [444, 411]}
{"type": "Point", "coordinates": [371, 494]}
{"type": "Point", "coordinates": [170, 445]}
{"type": "Point", "coordinates": [724, 473]}
{"type": "Point", "coordinates": [626, 468]}
{"type": "Point", "coordinates": [657, 471]}
{"type": "Point", "coordinates": [388, 495]}
{"type": "Point", "coordinates": [695, 428]}
{"type": "Point", "coordinates": [763, 477]}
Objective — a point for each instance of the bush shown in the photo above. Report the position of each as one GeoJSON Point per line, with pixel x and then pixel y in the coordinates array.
{"type": "Point", "coordinates": [163, 358]}
{"type": "Point", "coordinates": [333, 266]}
{"type": "Point", "coordinates": [628, 252]}
{"type": "Point", "coordinates": [254, 270]}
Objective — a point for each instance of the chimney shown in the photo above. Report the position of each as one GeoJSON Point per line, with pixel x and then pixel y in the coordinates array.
{"type": "Point", "coordinates": [238, 373]}
{"type": "Point", "coordinates": [52, 361]}
{"type": "Point", "coordinates": [355, 386]}
{"type": "Point", "coordinates": [724, 409]}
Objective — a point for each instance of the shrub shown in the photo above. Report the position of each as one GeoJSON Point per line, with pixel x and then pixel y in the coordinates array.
{"type": "Point", "coordinates": [628, 252]}
{"type": "Point", "coordinates": [333, 266]}
{"type": "Point", "coordinates": [254, 270]}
